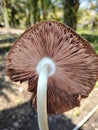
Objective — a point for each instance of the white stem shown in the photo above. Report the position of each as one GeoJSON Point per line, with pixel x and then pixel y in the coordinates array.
{"type": "Point", "coordinates": [42, 97]}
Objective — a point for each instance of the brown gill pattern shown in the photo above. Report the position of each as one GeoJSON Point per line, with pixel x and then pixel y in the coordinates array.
{"type": "Point", "coordinates": [75, 59]}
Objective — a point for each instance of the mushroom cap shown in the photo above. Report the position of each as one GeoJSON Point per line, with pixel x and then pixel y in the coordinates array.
{"type": "Point", "coordinates": [75, 59]}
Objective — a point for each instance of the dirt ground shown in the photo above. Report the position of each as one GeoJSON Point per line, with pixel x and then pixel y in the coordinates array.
{"type": "Point", "coordinates": [16, 112]}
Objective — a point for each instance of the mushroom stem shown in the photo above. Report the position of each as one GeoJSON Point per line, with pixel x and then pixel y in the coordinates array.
{"type": "Point", "coordinates": [45, 68]}
{"type": "Point", "coordinates": [42, 97]}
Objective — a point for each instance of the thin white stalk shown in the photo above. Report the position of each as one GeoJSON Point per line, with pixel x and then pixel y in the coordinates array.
{"type": "Point", "coordinates": [42, 97]}
{"type": "Point", "coordinates": [81, 123]}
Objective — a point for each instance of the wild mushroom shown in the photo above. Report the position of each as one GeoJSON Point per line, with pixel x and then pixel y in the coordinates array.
{"type": "Point", "coordinates": [61, 61]}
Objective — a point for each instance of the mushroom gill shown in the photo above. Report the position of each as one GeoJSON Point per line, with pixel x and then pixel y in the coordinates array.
{"type": "Point", "coordinates": [75, 60]}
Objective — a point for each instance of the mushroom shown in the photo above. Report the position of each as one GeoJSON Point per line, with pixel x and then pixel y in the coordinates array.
{"type": "Point", "coordinates": [60, 66]}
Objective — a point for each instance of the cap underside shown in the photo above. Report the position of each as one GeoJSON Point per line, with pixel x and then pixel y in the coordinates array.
{"type": "Point", "coordinates": [75, 59]}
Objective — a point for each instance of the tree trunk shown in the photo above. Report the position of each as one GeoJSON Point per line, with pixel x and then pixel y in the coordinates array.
{"type": "Point", "coordinates": [34, 13]}
{"type": "Point", "coordinates": [5, 15]}
{"type": "Point", "coordinates": [70, 12]}
{"type": "Point", "coordinates": [35, 9]}
{"type": "Point", "coordinates": [31, 12]}
{"type": "Point", "coordinates": [44, 8]}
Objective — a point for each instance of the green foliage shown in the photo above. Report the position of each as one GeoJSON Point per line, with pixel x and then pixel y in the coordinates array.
{"type": "Point", "coordinates": [96, 84]}
{"type": "Point", "coordinates": [88, 17]}
{"type": "Point", "coordinates": [24, 13]}
{"type": "Point", "coordinates": [91, 36]}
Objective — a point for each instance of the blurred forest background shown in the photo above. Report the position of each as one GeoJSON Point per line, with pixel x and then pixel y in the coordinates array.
{"type": "Point", "coordinates": [24, 13]}
{"type": "Point", "coordinates": [81, 15]}
{"type": "Point", "coordinates": [15, 17]}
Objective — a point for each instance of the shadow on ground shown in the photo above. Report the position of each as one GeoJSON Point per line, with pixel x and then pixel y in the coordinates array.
{"type": "Point", "coordinates": [5, 85]}
{"type": "Point", "coordinates": [5, 44]}
{"type": "Point", "coordinates": [4, 49]}
{"type": "Point", "coordinates": [10, 40]}
{"type": "Point", "coordinates": [23, 117]}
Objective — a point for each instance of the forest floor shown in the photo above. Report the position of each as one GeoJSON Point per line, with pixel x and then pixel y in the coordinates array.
{"type": "Point", "coordinates": [16, 112]}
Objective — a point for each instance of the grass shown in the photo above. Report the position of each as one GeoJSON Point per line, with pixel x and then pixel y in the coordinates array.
{"type": "Point", "coordinates": [87, 31]}
{"type": "Point", "coordinates": [91, 36]}
{"type": "Point", "coordinates": [96, 84]}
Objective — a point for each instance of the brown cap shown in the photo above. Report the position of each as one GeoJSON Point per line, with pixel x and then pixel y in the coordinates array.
{"type": "Point", "coordinates": [75, 59]}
